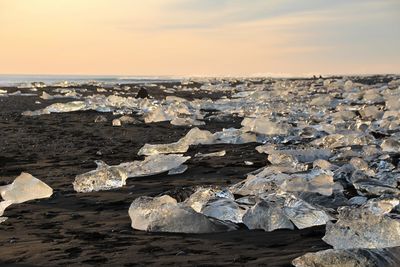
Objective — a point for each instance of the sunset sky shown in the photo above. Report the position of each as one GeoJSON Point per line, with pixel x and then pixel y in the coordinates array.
{"type": "Point", "coordinates": [199, 37]}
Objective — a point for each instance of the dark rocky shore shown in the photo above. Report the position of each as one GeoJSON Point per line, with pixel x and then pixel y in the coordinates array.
{"type": "Point", "coordinates": [79, 229]}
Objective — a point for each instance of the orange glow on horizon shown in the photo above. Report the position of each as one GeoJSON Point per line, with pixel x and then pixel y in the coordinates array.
{"type": "Point", "coordinates": [158, 37]}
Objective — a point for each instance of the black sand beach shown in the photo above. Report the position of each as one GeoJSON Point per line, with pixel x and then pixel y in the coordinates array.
{"type": "Point", "coordinates": [75, 229]}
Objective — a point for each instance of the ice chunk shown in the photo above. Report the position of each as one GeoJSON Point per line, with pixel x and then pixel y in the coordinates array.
{"type": "Point", "coordinates": [178, 147]}
{"type": "Point", "coordinates": [371, 113]}
{"type": "Point", "coordinates": [105, 177]}
{"type": "Point", "coordinates": [125, 119]}
{"type": "Point", "coordinates": [382, 205]}
{"type": "Point", "coordinates": [324, 100]}
{"type": "Point", "coordinates": [186, 122]}
{"type": "Point", "coordinates": [318, 181]}
{"type": "Point", "coordinates": [303, 214]}
{"type": "Point", "coordinates": [203, 194]}
{"type": "Point", "coordinates": [116, 122]}
{"type": "Point", "coordinates": [142, 208]}
{"type": "Point", "coordinates": [209, 155]}
{"type": "Point", "coordinates": [343, 140]}
{"type": "Point", "coordinates": [324, 165]}
{"type": "Point", "coordinates": [152, 165]}
{"type": "Point", "coordinates": [224, 209]}
{"type": "Point", "coordinates": [390, 145]}
{"type": "Point", "coordinates": [24, 188]}
{"type": "Point", "coordinates": [363, 227]}
{"type": "Point", "coordinates": [358, 200]}
{"type": "Point", "coordinates": [267, 216]}
{"type": "Point", "coordinates": [196, 136]}
{"type": "Point", "coordinates": [178, 170]}
{"type": "Point", "coordinates": [58, 108]}
{"type": "Point", "coordinates": [108, 177]}
{"type": "Point", "coordinates": [258, 184]}
{"type": "Point", "coordinates": [385, 257]}
{"type": "Point", "coordinates": [374, 187]}
{"type": "Point", "coordinates": [100, 118]}
{"type": "Point", "coordinates": [3, 205]}
{"type": "Point", "coordinates": [301, 155]}
{"type": "Point", "coordinates": [163, 214]}
{"type": "Point", "coordinates": [157, 115]}
{"type": "Point", "coordinates": [234, 136]}
{"type": "Point", "coordinates": [393, 104]}
{"type": "Point", "coordinates": [193, 137]}
{"type": "Point", "coordinates": [263, 125]}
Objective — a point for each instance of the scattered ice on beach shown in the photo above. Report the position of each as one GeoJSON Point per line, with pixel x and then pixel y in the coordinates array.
{"type": "Point", "coordinates": [24, 188]}
{"type": "Point", "coordinates": [332, 150]}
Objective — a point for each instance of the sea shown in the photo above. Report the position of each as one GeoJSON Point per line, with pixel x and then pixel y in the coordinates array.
{"type": "Point", "coordinates": [15, 80]}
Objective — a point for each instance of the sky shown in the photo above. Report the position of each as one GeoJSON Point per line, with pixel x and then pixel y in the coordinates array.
{"type": "Point", "coordinates": [199, 37]}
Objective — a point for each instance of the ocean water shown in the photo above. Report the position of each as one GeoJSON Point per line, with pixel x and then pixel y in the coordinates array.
{"type": "Point", "coordinates": [14, 80]}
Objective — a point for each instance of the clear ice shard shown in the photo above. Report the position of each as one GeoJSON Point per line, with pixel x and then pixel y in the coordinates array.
{"type": "Point", "coordinates": [363, 227]}
{"type": "Point", "coordinates": [267, 216]}
{"type": "Point", "coordinates": [384, 257]}
{"type": "Point", "coordinates": [24, 188]}
{"type": "Point", "coordinates": [164, 214]}
{"type": "Point", "coordinates": [107, 177]}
